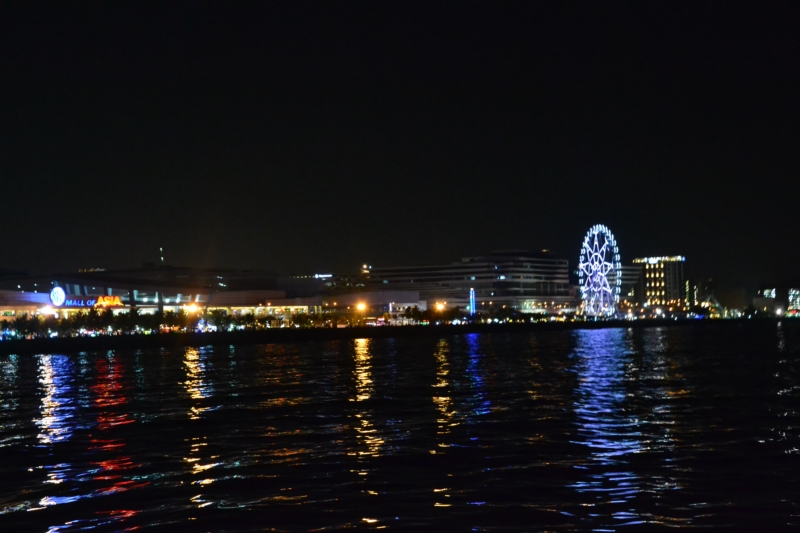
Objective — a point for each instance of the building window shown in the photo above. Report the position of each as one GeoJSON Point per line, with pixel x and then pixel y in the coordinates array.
{"type": "Point", "coordinates": [794, 299]}
{"type": "Point", "coordinates": [769, 293]}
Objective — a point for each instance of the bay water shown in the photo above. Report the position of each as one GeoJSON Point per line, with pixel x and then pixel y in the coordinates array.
{"type": "Point", "coordinates": [587, 430]}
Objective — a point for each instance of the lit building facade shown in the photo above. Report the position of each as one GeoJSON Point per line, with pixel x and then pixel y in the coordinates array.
{"type": "Point", "coordinates": [150, 289]}
{"type": "Point", "coordinates": [157, 288]}
{"type": "Point", "coordinates": [794, 300]}
{"type": "Point", "coordinates": [527, 281]}
{"type": "Point", "coordinates": [664, 281]}
{"type": "Point", "coordinates": [778, 298]}
{"type": "Point", "coordinates": [632, 285]}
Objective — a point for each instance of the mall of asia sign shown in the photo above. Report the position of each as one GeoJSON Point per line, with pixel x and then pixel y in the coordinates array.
{"type": "Point", "coordinates": [59, 299]}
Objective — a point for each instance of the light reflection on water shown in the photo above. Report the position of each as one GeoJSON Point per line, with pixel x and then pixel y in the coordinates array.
{"type": "Point", "coordinates": [196, 386]}
{"type": "Point", "coordinates": [110, 467]}
{"type": "Point", "coordinates": [609, 432]}
{"type": "Point", "coordinates": [561, 431]}
{"type": "Point", "coordinates": [369, 438]}
{"type": "Point", "coordinates": [624, 411]}
{"type": "Point", "coordinates": [56, 390]}
{"type": "Point", "coordinates": [9, 401]}
{"type": "Point", "coordinates": [447, 419]}
{"type": "Point", "coordinates": [443, 401]}
{"type": "Point", "coordinates": [111, 458]}
{"type": "Point", "coordinates": [199, 387]}
{"type": "Point", "coordinates": [479, 403]}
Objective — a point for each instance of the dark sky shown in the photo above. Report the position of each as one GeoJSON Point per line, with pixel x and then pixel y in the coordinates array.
{"type": "Point", "coordinates": [315, 136]}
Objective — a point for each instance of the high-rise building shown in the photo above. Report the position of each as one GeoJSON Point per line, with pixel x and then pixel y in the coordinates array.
{"type": "Point", "coordinates": [664, 282]}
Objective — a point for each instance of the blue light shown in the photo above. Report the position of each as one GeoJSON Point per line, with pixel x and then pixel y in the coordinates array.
{"type": "Point", "coordinates": [472, 301]}
{"type": "Point", "coordinates": [480, 404]}
{"type": "Point", "coordinates": [606, 428]}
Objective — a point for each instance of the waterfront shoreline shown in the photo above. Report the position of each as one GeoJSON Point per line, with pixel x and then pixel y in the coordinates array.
{"type": "Point", "coordinates": [291, 335]}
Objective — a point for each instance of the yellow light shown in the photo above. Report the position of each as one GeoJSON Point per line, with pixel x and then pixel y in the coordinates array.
{"type": "Point", "coordinates": [439, 307]}
{"type": "Point", "coordinates": [361, 306]}
{"type": "Point", "coordinates": [191, 308]}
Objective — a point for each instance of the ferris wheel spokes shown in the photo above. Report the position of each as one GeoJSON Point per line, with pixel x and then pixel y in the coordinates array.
{"type": "Point", "coordinates": [599, 272]}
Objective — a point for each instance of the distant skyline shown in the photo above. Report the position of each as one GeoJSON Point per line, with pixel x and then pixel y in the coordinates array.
{"type": "Point", "coordinates": [309, 137]}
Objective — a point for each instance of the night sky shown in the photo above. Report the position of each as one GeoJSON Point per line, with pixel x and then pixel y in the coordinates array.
{"type": "Point", "coordinates": [316, 136]}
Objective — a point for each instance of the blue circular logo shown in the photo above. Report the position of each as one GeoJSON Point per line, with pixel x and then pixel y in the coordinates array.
{"type": "Point", "coordinates": [57, 296]}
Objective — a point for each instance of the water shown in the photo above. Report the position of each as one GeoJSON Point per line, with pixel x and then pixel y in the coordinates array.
{"type": "Point", "coordinates": [579, 430]}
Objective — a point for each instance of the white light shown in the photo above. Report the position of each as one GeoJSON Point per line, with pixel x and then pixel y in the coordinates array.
{"type": "Point", "coordinates": [57, 296]}
{"type": "Point", "coordinates": [597, 274]}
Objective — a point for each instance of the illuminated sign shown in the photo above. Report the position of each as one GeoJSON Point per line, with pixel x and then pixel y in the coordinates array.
{"type": "Point", "coordinates": [79, 303]}
{"type": "Point", "coordinates": [59, 299]}
{"type": "Point", "coordinates": [57, 296]}
{"type": "Point", "coordinates": [108, 301]}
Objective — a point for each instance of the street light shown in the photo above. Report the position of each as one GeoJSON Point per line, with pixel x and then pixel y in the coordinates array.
{"type": "Point", "coordinates": [440, 307]}
{"type": "Point", "coordinates": [360, 306]}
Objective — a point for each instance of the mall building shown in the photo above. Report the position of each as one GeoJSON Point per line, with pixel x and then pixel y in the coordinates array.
{"type": "Point", "coordinates": [166, 288]}
{"type": "Point", "coordinates": [527, 281]}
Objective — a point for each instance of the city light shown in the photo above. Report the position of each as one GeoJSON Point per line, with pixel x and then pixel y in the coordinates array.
{"type": "Point", "coordinates": [656, 260]}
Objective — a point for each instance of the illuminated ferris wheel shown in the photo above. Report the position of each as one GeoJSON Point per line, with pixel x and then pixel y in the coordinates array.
{"type": "Point", "coordinates": [599, 272]}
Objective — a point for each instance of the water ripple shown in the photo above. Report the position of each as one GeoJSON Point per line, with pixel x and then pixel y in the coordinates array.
{"type": "Point", "coordinates": [601, 430]}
